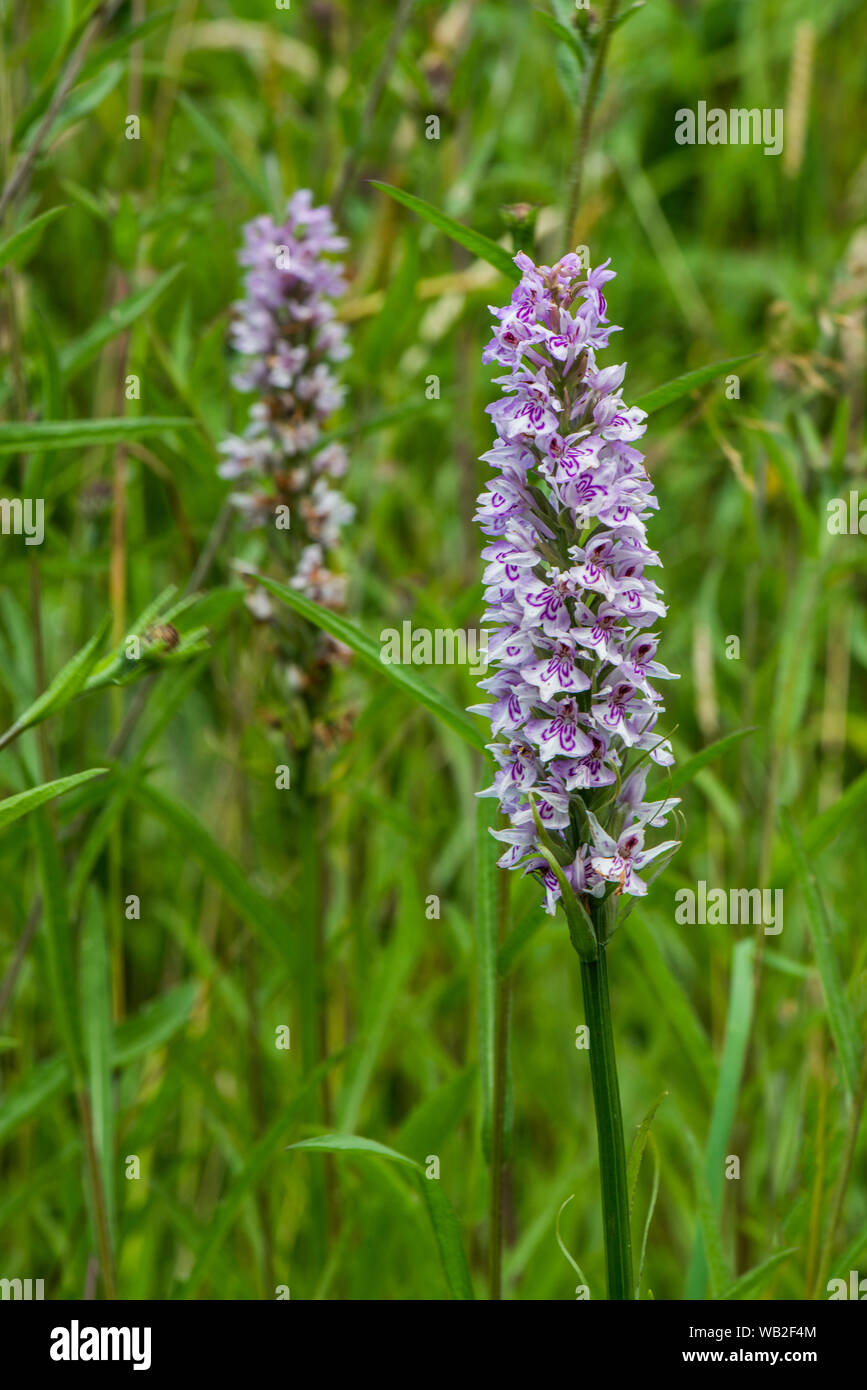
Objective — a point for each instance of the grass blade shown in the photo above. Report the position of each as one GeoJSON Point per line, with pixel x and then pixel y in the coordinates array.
{"type": "Point", "coordinates": [97, 1039]}
{"type": "Point", "coordinates": [118, 319]}
{"type": "Point", "coordinates": [14, 807]}
{"type": "Point", "coordinates": [841, 1019]}
{"type": "Point", "coordinates": [636, 1152]}
{"type": "Point", "coordinates": [682, 385]}
{"type": "Point", "coordinates": [26, 239]}
{"type": "Point", "coordinates": [18, 436]}
{"type": "Point", "coordinates": [443, 1221]}
{"type": "Point", "coordinates": [253, 906]}
{"type": "Point", "coordinates": [475, 242]}
{"type": "Point", "coordinates": [717, 1271]}
{"type": "Point", "coordinates": [735, 1042]}
{"type": "Point", "coordinates": [63, 688]}
{"type": "Point", "coordinates": [751, 1283]}
{"type": "Point", "coordinates": [693, 765]}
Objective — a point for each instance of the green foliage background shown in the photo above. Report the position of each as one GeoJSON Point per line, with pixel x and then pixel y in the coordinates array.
{"type": "Point", "coordinates": [165, 1027]}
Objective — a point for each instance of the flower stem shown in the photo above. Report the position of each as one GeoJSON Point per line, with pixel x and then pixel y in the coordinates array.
{"type": "Point", "coordinates": [609, 1124]}
{"type": "Point", "coordinates": [501, 1071]}
{"type": "Point", "coordinates": [585, 119]}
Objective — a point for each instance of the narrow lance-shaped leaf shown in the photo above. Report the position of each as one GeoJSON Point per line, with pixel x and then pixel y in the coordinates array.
{"type": "Point", "coordinates": [735, 1042]}
{"type": "Point", "coordinates": [752, 1283]}
{"type": "Point", "coordinates": [844, 1029]}
{"type": "Point", "coordinates": [708, 1218]}
{"type": "Point", "coordinates": [682, 385]}
{"type": "Point", "coordinates": [480, 245]}
{"type": "Point", "coordinates": [65, 686]}
{"type": "Point", "coordinates": [17, 436]}
{"type": "Point", "coordinates": [20, 244]}
{"type": "Point", "coordinates": [97, 1040]}
{"type": "Point", "coordinates": [687, 771]}
{"type": "Point", "coordinates": [13, 807]}
{"type": "Point", "coordinates": [636, 1153]}
{"type": "Point", "coordinates": [118, 319]}
{"type": "Point", "coordinates": [57, 939]}
{"type": "Point", "coordinates": [442, 1217]}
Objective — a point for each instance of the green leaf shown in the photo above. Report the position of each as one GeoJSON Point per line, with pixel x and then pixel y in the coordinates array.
{"type": "Point", "coordinates": [253, 906]}
{"type": "Point", "coordinates": [844, 1029]}
{"type": "Point", "coordinates": [80, 434]}
{"type": "Point", "coordinates": [693, 765]}
{"type": "Point", "coordinates": [83, 99]}
{"type": "Point", "coordinates": [627, 14]}
{"type": "Point", "coordinates": [442, 1217]}
{"type": "Point", "coordinates": [15, 806]}
{"type": "Point", "coordinates": [475, 242]}
{"type": "Point", "coordinates": [735, 1043]}
{"type": "Point", "coordinates": [97, 1039]}
{"type": "Point", "coordinates": [254, 1165]}
{"type": "Point", "coordinates": [751, 1283]}
{"type": "Point", "coordinates": [57, 940]}
{"type": "Point", "coordinates": [566, 35]}
{"type": "Point", "coordinates": [352, 1144]}
{"type": "Point", "coordinates": [447, 1232]}
{"type": "Point", "coordinates": [682, 385]}
{"type": "Point", "coordinates": [65, 686]}
{"type": "Point", "coordinates": [118, 319]}
{"type": "Point", "coordinates": [437, 1116]}
{"type": "Point", "coordinates": [675, 1005]}
{"type": "Point", "coordinates": [824, 828]}
{"type": "Point", "coordinates": [154, 1024]}
{"type": "Point", "coordinates": [35, 1089]}
{"type": "Point", "coordinates": [208, 132]}
{"type": "Point", "coordinates": [651, 1208]}
{"type": "Point", "coordinates": [22, 243]}
{"type": "Point", "coordinates": [718, 1275]}
{"type": "Point", "coordinates": [636, 1152]}
{"type": "Point", "coordinates": [806, 518]}
{"type": "Point", "coordinates": [134, 1038]}
{"type": "Point", "coordinates": [404, 677]}
{"type": "Point", "coordinates": [487, 818]}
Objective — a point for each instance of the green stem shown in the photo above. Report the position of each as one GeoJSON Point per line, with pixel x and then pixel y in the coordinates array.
{"type": "Point", "coordinates": [498, 1134]}
{"type": "Point", "coordinates": [585, 120]}
{"type": "Point", "coordinates": [609, 1123]}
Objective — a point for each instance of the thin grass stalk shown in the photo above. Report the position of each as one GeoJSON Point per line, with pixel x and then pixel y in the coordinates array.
{"type": "Point", "coordinates": [843, 1175]}
{"type": "Point", "coordinates": [100, 1207]}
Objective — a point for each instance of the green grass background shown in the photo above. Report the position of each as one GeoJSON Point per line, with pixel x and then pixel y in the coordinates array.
{"type": "Point", "coordinates": [169, 1021]}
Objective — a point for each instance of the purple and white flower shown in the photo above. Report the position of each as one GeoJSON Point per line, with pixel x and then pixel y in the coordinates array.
{"type": "Point", "coordinates": [286, 329]}
{"type": "Point", "coordinates": [572, 663]}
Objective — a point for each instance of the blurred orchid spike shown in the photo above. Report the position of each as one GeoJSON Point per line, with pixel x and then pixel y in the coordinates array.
{"type": "Point", "coordinates": [286, 328]}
